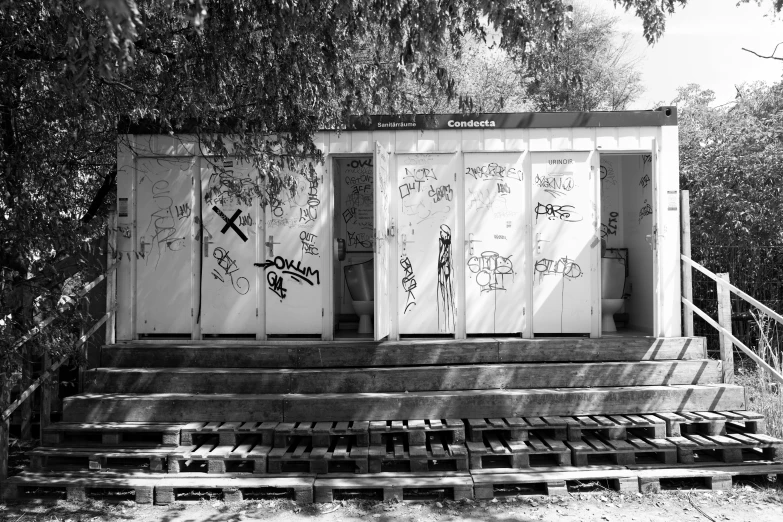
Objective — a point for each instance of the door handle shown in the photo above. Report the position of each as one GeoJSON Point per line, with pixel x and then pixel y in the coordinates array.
{"type": "Point", "coordinates": [206, 246]}
{"type": "Point", "coordinates": [405, 244]}
{"type": "Point", "coordinates": [538, 243]}
{"type": "Point", "coordinates": [469, 243]}
{"type": "Point", "coordinates": [652, 239]}
{"type": "Point", "coordinates": [271, 244]}
{"type": "Point", "coordinates": [143, 246]}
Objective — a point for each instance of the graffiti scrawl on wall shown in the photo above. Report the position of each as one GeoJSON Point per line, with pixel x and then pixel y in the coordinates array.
{"type": "Point", "coordinates": [419, 183]}
{"type": "Point", "coordinates": [408, 283]}
{"type": "Point", "coordinates": [228, 267]}
{"type": "Point", "coordinates": [555, 186]}
{"type": "Point", "coordinates": [445, 297]}
{"type": "Point", "coordinates": [297, 273]}
{"type": "Point", "coordinates": [225, 188]}
{"type": "Point", "coordinates": [356, 201]}
{"type": "Point", "coordinates": [557, 212]}
{"type": "Point", "coordinates": [565, 266]}
{"type": "Point", "coordinates": [491, 269]}
{"type": "Point", "coordinates": [162, 223]}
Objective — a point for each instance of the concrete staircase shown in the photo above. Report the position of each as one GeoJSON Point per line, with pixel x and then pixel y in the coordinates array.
{"type": "Point", "coordinates": [248, 410]}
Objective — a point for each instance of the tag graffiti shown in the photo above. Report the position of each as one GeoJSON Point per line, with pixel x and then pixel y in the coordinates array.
{"type": "Point", "coordinates": [293, 269]}
{"type": "Point", "coordinates": [229, 267]}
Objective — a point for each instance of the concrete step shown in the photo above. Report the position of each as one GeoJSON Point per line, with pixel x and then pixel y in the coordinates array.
{"type": "Point", "coordinates": [187, 407]}
{"type": "Point", "coordinates": [401, 379]}
{"type": "Point", "coordinates": [319, 354]}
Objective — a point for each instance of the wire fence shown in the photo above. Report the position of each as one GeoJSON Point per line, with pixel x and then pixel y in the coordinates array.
{"type": "Point", "coordinates": [756, 271]}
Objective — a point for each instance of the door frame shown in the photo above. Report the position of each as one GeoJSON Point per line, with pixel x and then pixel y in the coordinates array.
{"type": "Point", "coordinates": [330, 293]}
{"type": "Point", "coordinates": [657, 285]}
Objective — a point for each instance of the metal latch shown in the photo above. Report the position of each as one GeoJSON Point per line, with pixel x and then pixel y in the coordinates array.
{"type": "Point", "coordinates": [271, 245]}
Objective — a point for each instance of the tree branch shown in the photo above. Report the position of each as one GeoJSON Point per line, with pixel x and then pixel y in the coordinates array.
{"type": "Point", "coordinates": [120, 84]}
{"type": "Point", "coordinates": [771, 56]}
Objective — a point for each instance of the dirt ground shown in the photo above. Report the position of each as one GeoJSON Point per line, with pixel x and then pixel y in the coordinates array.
{"type": "Point", "coordinates": [751, 502]}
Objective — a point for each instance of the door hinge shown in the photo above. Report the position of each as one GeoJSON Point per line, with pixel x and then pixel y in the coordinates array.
{"type": "Point", "coordinates": [523, 310]}
{"type": "Point", "coordinates": [256, 312]}
{"type": "Point", "coordinates": [191, 312]}
{"type": "Point", "coordinates": [591, 310]}
{"type": "Point", "coordinates": [455, 176]}
{"type": "Point", "coordinates": [322, 312]}
{"type": "Point", "coordinates": [192, 181]}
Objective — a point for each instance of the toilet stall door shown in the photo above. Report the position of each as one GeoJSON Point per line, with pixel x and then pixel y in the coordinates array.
{"type": "Point", "coordinates": [383, 237]}
{"type": "Point", "coordinates": [293, 268]}
{"type": "Point", "coordinates": [229, 210]}
{"type": "Point", "coordinates": [495, 231]}
{"type": "Point", "coordinates": [427, 194]}
{"type": "Point", "coordinates": [564, 239]}
{"type": "Point", "coordinates": [164, 203]}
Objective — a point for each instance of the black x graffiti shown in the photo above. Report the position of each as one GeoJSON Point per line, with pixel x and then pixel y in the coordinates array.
{"type": "Point", "coordinates": [230, 222]}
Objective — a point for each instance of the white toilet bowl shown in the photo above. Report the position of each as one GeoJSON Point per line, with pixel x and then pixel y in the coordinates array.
{"type": "Point", "coordinates": [612, 287]}
{"type": "Point", "coordinates": [609, 307]}
{"type": "Point", "coordinates": [359, 278]}
{"type": "Point", "coordinates": [364, 309]}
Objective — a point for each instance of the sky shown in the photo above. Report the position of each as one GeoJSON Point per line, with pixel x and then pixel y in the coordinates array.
{"type": "Point", "coordinates": [703, 44]}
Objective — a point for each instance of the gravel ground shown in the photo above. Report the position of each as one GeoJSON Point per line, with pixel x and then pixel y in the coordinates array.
{"type": "Point", "coordinates": [752, 502]}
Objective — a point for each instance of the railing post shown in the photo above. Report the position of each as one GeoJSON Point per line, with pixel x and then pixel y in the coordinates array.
{"type": "Point", "coordinates": [5, 424]}
{"type": "Point", "coordinates": [46, 396]}
{"type": "Point", "coordinates": [724, 319]}
{"type": "Point", "coordinates": [687, 271]}
{"type": "Point", "coordinates": [26, 355]}
{"type": "Point", "coordinates": [111, 281]}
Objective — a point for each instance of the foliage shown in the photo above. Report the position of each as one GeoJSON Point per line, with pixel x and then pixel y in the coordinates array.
{"type": "Point", "coordinates": [255, 70]}
{"type": "Point", "coordinates": [731, 160]}
{"type": "Point", "coordinates": [591, 69]}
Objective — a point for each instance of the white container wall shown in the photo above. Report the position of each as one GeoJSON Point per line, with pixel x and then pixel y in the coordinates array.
{"type": "Point", "coordinates": [476, 226]}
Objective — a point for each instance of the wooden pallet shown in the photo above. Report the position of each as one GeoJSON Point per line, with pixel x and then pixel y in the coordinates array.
{"type": "Point", "coordinates": [100, 458]}
{"type": "Point", "coordinates": [490, 483]}
{"type": "Point", "coordinates": [594, 450]}
{"type": "Point", "coordinates": [538, 450]}
{"type": "Point", "coordinates": [127, 434]}
{"type": "Point", "coordinates": [248, 456]}
{"type": "Point", "coordinates": [517, 428]}
{"type": "Point", "coordinates": [323, 433]}
{"type": "Point", "coordinates": [712, 423]}
{"type": "Point", "coordinates": [228, 433]}
{"type": "Point", "coordinates": [745, 422]}
{"type": "Point", "coordinates": [615, 426]}
{"type": "Point", "coordinates": [715, 478]}
{"type": "Point", "coordinates": [498, 447]}
{"type": "Point", "coordinates": [415, 431]}
{"type": "Point", "coordinates": [400, 486]}
{"type": "Point", "coordinates": [79, 486]}
{"type": "Point", "coordinates": [544, 451]}
{"type": "Point", "coordinates": [340, 456]}
{"type": "Point", "coordinates": [233, 489]}
{"type": "Point", "coordinates": [436, 454]}
{"type": "Point", "coordinates": [731, 448]}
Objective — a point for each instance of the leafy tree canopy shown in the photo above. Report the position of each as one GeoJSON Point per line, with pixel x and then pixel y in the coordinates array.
{"type": "Point", "coordinates": [590, 69]}
{"type": "Point", "coordinates": [731, 160]}
{"type": "Point", "coordinates": [255, 70]}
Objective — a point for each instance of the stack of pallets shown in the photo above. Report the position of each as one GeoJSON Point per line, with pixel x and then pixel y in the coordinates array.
{"type": "Point", "coordinates": [430, 458]}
